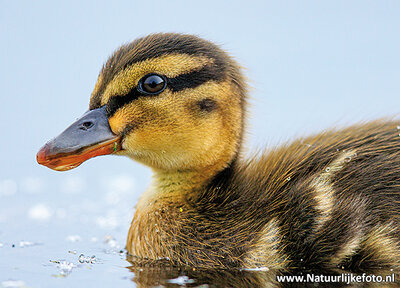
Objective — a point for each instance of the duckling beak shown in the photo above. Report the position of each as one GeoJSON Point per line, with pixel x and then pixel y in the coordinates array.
{"type": "Point", "coordinates": [87, 137]}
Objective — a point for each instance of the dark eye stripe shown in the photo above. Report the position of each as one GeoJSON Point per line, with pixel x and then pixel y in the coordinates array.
{"type": "Point", "coordinates": [176, 84]}
{"type": "Point", "coordinates": [119, 101]}
{"type": "Point", "coordinates": [195, 78]}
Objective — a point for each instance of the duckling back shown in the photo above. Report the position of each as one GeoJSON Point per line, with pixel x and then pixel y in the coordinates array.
{"type": "Point", "coordinates": [327, 201]}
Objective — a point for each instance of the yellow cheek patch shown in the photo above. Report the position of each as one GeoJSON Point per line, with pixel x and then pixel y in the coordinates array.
{"type": "Point", "coordinates": [171, 66]}
{"type": "Point", "coordinates": [122, 118]}
{"type": "Point", "coordinates": [117, 123]}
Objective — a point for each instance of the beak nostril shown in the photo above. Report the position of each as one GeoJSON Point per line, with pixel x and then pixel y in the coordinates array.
{"type": "Point", "coordinates": [86, 125]}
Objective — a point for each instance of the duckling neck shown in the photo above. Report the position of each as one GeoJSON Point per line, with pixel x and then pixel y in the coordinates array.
{"type": "Point", "coordinates": [165, 206]}
{"type": "Point", "coordinates": [182, 185]}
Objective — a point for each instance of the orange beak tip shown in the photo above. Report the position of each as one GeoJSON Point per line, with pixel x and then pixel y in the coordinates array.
{"type": "Point", "coordinates": [68, 161]}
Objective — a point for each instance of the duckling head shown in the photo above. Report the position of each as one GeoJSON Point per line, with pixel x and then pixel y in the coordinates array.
{"type": "Point", "coordinates": [170, 101]}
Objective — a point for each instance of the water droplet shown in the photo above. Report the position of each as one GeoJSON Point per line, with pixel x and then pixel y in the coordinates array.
{"type": "Point", "coordinates": [81, 258]}
{"type": "Point", "coordinates": [347, 159]}
{"type": "Point", "coordinates": [288, 178]}
{"type": "Point", "coordinates": [337, 150]}
{"type": "Point", "coordinates": [328, 169]}
{"type": "Point", "coordinates": [65, 267]}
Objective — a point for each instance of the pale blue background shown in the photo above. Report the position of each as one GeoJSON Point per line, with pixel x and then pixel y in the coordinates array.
{"type": "Point", "coordinates": [311, 65]}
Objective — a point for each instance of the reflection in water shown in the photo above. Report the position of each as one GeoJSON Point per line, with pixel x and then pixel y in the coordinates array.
{"type": "Point", "coordinates": [163, 274]}
{"type": "Point", "coordinates": [172, 276]}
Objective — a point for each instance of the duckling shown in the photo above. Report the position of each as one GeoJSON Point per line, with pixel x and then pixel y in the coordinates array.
{"type": "Point", "coordinates": [178, 104]}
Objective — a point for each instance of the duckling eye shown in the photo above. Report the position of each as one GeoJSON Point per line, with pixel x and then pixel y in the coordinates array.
{"type": "Point", "coordinates": [152, 84]}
